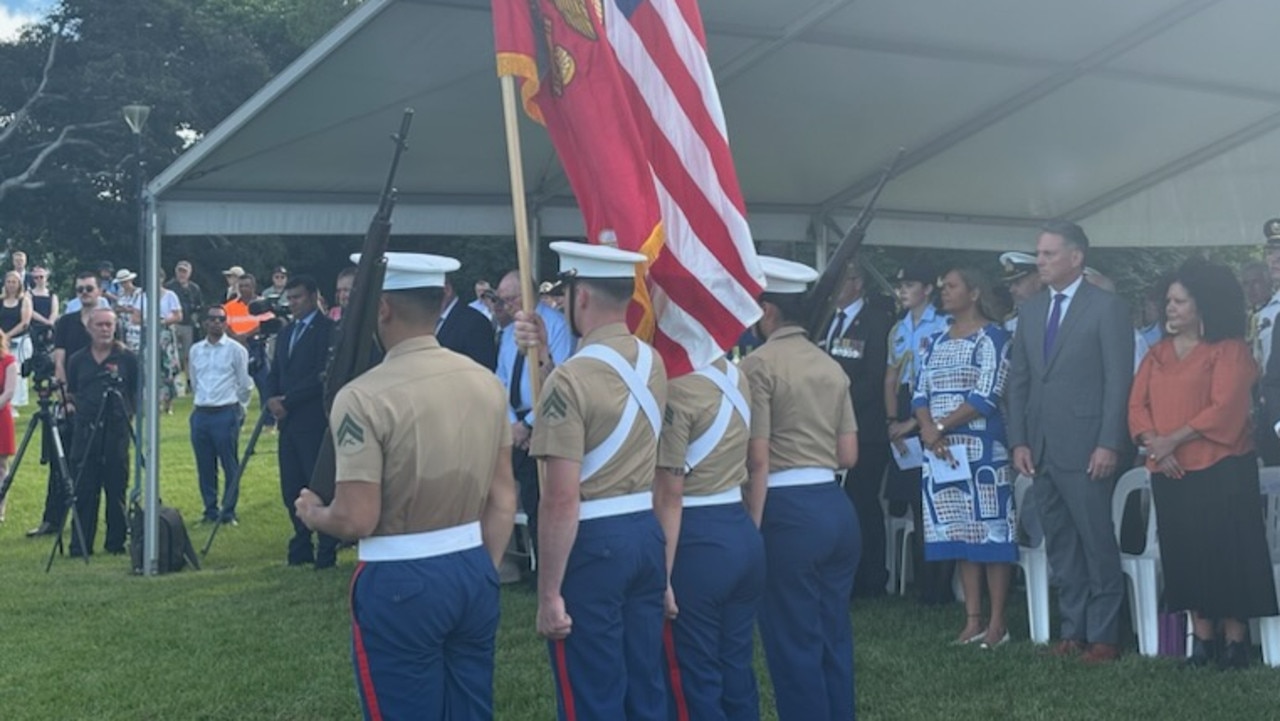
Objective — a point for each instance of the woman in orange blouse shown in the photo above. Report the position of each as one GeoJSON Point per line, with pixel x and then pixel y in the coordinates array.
{"type": "Point", "coordinates": [1190, 408]}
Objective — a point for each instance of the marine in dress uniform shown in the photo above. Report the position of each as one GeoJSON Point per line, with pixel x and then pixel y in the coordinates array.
{"type": "Point", "coordinates": [717, 570]}
{"type": "Point", "coordinates": [424, 483]}
{"type": "Point", "coordinates": [802, 430]}
{"type": "Point", "coordinates": [601, 564]}
{"type": "Point", "coordinates": [1022, 278]}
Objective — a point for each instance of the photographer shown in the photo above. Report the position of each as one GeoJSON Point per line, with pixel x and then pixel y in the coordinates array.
{"type": "Point", "coordinates": [102, 383]}
{"type": "Point", "coordinates": [70, 335]}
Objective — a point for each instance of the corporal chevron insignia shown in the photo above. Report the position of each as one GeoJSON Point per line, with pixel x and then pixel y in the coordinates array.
{"type": "Point", "coordinates": [350, 433]}
{"type": "Point", "coordinates": [554, 407]}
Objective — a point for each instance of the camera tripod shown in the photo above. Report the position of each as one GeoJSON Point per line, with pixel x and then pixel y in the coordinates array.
{"type": "Point", "coordinates": [244, 462]}
{"type": "Point", "coordinates": [111, 393]}
{"type": "Point", "coordinates": [45, 420]}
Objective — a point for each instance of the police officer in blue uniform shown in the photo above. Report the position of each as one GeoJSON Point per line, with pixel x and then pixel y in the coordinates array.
{"type": "Point", "coordinates": [601, 565]}
{"type": "Point", "coordinates": [423, 454]}
{"type": "Point", "coordinates": [802, 431]}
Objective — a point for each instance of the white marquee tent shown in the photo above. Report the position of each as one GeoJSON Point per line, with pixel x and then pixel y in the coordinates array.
{"type": "Point", "coordinates": [1153, 122]}
{"type": "Point", "coordinates": [1150, 121]}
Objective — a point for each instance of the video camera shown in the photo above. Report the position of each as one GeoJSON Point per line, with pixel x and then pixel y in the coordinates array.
{"type": "Point", "coordinates": [40, 366]}
{"type": "Point", "coordinates": [278, 316]}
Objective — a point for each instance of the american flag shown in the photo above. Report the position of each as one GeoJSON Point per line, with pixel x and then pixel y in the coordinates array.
{"type": "Point", "coordinates": [633, 111]}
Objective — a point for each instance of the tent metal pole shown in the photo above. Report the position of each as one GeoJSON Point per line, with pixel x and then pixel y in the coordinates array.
{"type": "Point", "coordinates": [151, 400]}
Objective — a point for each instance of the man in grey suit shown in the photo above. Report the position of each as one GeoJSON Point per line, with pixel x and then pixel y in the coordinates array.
{"type": "Point", "coordinates": [1068, 393]}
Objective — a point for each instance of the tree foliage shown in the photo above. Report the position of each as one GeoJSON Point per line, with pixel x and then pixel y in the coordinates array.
{"type": "Point", "coordinates": [193, 61]}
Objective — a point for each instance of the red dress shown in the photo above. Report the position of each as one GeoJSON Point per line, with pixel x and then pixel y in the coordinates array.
{"type": "Point", "coordinates": [8, 441]}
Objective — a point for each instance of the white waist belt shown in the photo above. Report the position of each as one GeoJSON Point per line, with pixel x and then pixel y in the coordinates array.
{"type": "Point", "coordinates": [616, 506]}
{"type": "Point", "coordinates": [733, 495]}
{"type": "Point", "coordinates": [428, 544]}
{"type": "Point", "coordinates": [801, 477]}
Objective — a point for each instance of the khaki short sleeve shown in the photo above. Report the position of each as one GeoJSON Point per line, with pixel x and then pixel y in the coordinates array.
{"type": "Point", "coordinates": [848, 421]}
{"type": "Point", "coordinates": [560, 431]}
{"type": "Point", "coordinates": [356, 444]}
{"type": "Point", "coordinates": [677, 425]}
{"type": "Point", "coordinates": [761, 382]}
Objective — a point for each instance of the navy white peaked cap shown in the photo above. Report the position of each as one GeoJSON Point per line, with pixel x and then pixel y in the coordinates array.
{"type": "Point", "coordinates": [786, 276]}
{"type": "Point", "coordinates": [583, 260]}
{"type": "Point", "coordinates": [406, 271]}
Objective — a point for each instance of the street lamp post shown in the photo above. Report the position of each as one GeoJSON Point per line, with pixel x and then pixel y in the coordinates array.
{"type": "Point", "coordinates": [148, 425]}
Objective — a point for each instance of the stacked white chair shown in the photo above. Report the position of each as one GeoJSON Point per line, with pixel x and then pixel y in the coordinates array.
{"type": "Point", "coordinates": [1035, 568]}
{"type": "Point", "coordinates": [1142, 569]}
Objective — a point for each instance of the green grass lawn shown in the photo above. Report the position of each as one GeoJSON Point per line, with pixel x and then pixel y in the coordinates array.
{"type": "Point", "coordinates": [249, 638]}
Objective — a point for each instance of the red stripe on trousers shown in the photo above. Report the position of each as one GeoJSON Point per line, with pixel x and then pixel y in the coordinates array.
{"type": "Point", "coordinates": [562, 678]}
{"type": "Point", "coordinates": [673, 672]}
{"type": "Point", "coordinates": [362, 658]}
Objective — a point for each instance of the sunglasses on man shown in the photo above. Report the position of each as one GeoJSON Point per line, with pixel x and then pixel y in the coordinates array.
{"type": "Point", "coordinates": [86, 288]}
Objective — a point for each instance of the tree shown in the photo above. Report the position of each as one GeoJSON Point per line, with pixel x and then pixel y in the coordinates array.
{"type": "Point", "coordinates": [67, 160]}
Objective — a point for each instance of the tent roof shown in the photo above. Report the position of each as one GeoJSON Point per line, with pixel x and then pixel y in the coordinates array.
{"type": "Point", "coordinates": [1151, 121]}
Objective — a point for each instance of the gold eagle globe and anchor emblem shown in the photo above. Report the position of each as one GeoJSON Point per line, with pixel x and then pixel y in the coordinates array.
{"type": "Point", "coordinates": [577, 16]}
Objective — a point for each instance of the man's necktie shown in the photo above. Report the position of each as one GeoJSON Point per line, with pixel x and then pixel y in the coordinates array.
{"type": "Point", "coordinates": [517, 380]}
{"type": "Point", "coordinates": [837, 325]}
{"type": "Point", "coordinates": [297, 333]}
{"type": "Point", "coordinates": [1055, 320]}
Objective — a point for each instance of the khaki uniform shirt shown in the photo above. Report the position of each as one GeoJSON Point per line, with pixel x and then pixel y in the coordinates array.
{"type": "Point", "coordinates": [582, 404]}
{"type": "Point", "coordinates": [692, 404]}
{"type": "Point", "coordinates": [426, 424]}
{"type": "Point", "coordinates": [799, 401]}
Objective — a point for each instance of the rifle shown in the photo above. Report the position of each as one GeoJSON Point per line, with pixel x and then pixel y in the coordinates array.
{"type": "Point", "coordinates": [821, 299]}
{"type": "Point", "coordinates": [351, 344]}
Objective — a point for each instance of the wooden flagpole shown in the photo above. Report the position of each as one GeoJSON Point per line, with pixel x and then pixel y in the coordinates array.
{"type": "Point", "coordinates": [521, 213]}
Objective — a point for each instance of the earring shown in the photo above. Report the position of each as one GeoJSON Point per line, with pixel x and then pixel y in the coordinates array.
{"type": "Point", "coordinates": [1169, 329]}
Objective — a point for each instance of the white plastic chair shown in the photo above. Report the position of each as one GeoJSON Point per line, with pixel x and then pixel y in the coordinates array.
{"type": "Point", "coordinates": [1269, 628]}
{"type": "Point", "coordinates": [899, 532]}
{"type": "Point", "coordinates": [1035, 568]}
{"type": "Point", "coordinates": [1143, 569]}
{"type": "Point", "coordinates": [522, 527]}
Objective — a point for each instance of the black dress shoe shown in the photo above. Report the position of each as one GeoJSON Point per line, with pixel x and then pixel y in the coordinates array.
{"type": "Point", "coordinates": [44, 529]}
{"type": "Point", "coordinates": [326, 562]}
{"type": "Point", "coordinates": [1202, 653]}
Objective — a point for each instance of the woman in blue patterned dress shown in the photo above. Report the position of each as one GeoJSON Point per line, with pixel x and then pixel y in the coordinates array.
{"type": "Point", "coordinates": [957, 403]}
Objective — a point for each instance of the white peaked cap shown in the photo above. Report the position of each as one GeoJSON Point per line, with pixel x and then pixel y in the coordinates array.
{"type": "Point", "coordinates": [583, 260]}
{"type": "Point", "coordinates": [786, 276]}
{"type": "Point", "coordinates": [1014, 257]}
{"type": "Point", "coordinates": [406, 271]}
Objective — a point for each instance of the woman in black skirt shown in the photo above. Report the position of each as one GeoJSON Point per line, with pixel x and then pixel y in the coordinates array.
{"type": "Point", "coordinates": [1190, 408]}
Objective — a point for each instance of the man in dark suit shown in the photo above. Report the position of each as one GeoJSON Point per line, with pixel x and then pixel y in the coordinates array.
{"type": "Point", "coordinates": [858, 339]}
{"type": "Point", "coordinates": [463, 329]}
{"type": "Point", "coordinates": [295, 397]}
{"type": "Point", "coordinates": [1068, 392]}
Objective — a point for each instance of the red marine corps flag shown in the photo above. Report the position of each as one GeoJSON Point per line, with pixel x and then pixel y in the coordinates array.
{"type": "Point", "coordinates": [626, 94]}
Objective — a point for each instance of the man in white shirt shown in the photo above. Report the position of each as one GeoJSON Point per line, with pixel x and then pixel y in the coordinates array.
{"type": "Point", "coordinates": [220, 382]}
{"type": "Point", "coordinates": [484, 299]}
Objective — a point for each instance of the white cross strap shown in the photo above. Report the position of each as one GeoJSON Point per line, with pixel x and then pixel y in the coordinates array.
{"type": "Point", "coordinates": [639, 399]}
{"type": "Point", "coordinates": [731, 399]}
